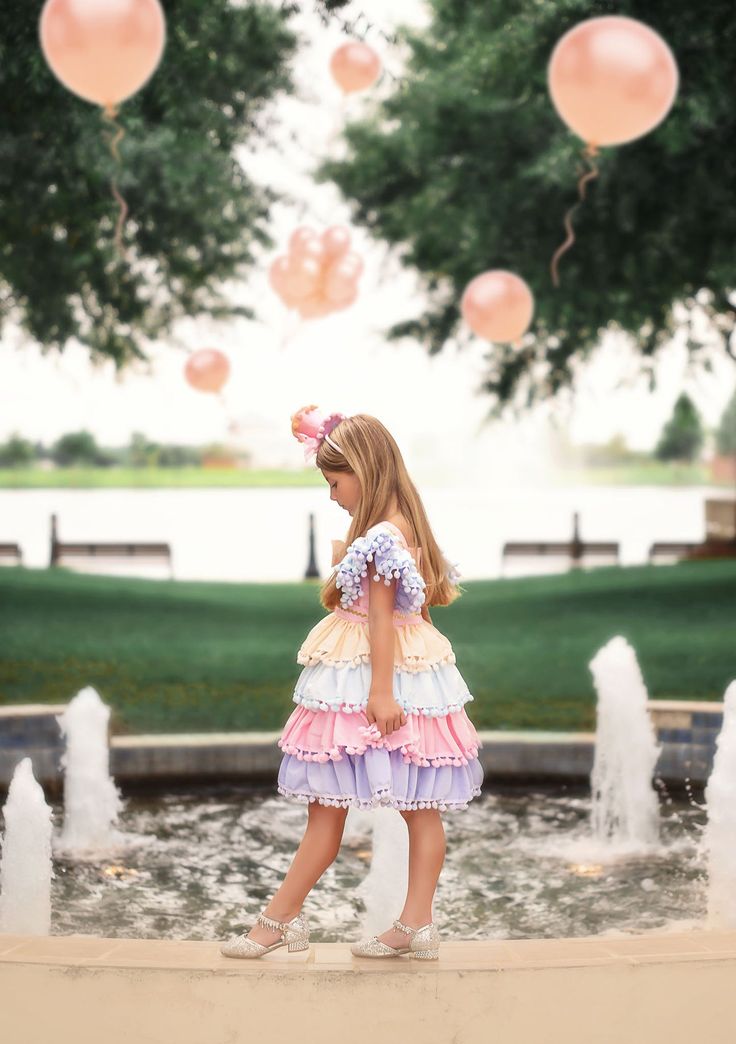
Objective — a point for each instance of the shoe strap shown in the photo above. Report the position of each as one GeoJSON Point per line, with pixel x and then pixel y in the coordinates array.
{"type": "Point", "coordinates": [269, 922]}
{"type": "Point", "coordinates": [404, 927]}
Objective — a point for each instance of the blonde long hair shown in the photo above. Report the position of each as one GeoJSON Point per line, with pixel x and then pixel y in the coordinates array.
{"type": "Point", "coordinates": [371, 453]}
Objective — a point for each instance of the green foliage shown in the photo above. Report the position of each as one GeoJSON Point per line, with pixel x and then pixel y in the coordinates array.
{"type": "Point", "coordinates": [466, 166]}
{"type": "Point", "coordinates": [195, 219]}
{"type": "Point", "coordinates": [16, 452]}
{"type": "Point", "coordinates": [726, 432]}
{"type": "Point", "coordinates": [682, 435]}
{"type": "Point", "coordinates": [77, 447]}
{"type": "Point", "coordinates": [615, 451]}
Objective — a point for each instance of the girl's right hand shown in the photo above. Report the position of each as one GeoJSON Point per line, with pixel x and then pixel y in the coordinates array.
{"type": "Point", "coordinates": [387, 714]}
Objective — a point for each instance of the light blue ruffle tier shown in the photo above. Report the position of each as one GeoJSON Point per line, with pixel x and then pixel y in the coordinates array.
{"type": "Point", "coordinates": [322, 686]}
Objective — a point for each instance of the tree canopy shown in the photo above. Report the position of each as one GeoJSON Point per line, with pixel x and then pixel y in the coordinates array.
{"type": "Point", "coordinates": [195, 218]}
{"type": "Point", "coordinates": [466, 166]}
{"type": "Point", "coordinates": [682, 436]}
{"type": "Point", "coordinates": [726, 431]}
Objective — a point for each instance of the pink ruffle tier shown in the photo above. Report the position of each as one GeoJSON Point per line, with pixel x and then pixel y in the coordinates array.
{"type": "Point", "coordinates": [317, 735]}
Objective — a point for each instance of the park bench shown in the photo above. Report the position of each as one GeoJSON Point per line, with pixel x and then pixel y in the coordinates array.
{"type": "Point", "coordinates": [576, 551]}
{"type": "Point", "coordinates": [11, 551]}
{"type": "Point", "coordinates": [63, 550]}
{"type": "Point", "coordinates": [720, 535]}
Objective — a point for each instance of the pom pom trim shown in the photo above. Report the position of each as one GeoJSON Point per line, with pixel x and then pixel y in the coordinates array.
{"type": "Point", "coordinates": [314, 703]}
{"type": "Point", "coordinates": [381, 797]}
{"type": "Point", "coordinates": [411, 752]}
{"type": "Point", "coordinates": [411, 664]}
{"type": "Point", "coordinates": [392, 562]}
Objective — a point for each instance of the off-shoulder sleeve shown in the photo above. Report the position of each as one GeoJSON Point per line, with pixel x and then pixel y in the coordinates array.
{"type": "Point", "coordinates": [391, 560]}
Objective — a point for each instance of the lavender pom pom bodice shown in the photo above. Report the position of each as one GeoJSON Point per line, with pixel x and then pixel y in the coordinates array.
{"type": "Point", "coordinates": [331, 753]}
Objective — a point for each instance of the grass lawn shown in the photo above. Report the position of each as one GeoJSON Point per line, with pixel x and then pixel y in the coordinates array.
{"type": "Point", "coordinates": [154, 478]}
{"type": "Point", "coordinates": [173, 656]}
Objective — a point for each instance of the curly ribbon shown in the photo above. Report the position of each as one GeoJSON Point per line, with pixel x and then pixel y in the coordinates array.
{"type": "Point", "coordinates": [589, 154]}
{"type": "Point", "coordinates": [109, 113]}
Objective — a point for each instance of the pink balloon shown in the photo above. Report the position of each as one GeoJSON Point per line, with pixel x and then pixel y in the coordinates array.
{"type": "Point", "coordinates": [352, 262]}
{"type": "Point", "coordinates": [301, 240]}
{"type": "Point", "coordinates": [336, 241]}
{"type": "Point", "coordinates": [612, 79]}
{"type": "Point", "coordinates": [302, 276]}
{"type": "Point", "coordinates": [498, 305]}
{"type": "Point", "coordinates": [278, 277]}
{"type": "Point", "coordinates": [277, 274]}
{"type": "Point", "coordinates": [355, 66]}
{"type": "Point", "coordinates": [313, 248]}
{"type": "Point", "coordinates": [207, 369]}
{"type": "Point", "coordinates": [314, 307]}
{"type": "Point", "coordinates": [340, 283]}
{"type": "Point", "coordinates": [346, 301]}
{"type": "Point", "coordinates": [102, 50]}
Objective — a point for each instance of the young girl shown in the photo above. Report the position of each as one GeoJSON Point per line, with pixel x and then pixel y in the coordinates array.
{"type": "Point", "coordinates": [380, 715]}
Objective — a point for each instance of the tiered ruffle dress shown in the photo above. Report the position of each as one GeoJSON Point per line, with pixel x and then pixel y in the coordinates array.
{"type": "Point", "coordinates": [330, 752]}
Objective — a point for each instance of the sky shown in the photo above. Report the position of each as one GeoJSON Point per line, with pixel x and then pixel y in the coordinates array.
{"type": "Point", "coordinates": [433, 405]}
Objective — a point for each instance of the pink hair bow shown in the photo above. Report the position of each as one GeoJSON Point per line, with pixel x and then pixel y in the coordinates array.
{"type": "Point", "coordinates": [309, 425]}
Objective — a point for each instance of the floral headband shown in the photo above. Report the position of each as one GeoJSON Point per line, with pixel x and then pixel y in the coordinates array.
{"type": "Point", "coordinates": [310, 426]}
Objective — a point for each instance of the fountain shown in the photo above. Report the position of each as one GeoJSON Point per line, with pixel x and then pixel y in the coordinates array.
{"type": "Point", "coordinates": [92, 802]}
{"type": "Point", "coordinates": [388, 874]}
{"type": "Point", "coordinates": [625, 807]}
{"type": "Point", "coordinates": [25, 869]}
{"type": "Point", "coordinates": [719, 836]}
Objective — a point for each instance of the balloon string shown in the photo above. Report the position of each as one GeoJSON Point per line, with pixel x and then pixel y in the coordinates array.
{"type": "Point", "coordinates": [589, 153]}
{"type": "Point", "coordinates": [233, 425]}
{"type": "Point", "coordinates": [109, 113]}
{"type": "Point", "coordinates": [290, 329]}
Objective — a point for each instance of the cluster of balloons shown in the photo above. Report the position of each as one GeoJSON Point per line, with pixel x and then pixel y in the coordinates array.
{"type": "Point", "coordinates": [207, 370]}
{"type": "Point", "coordinates": [611, 79]}
{"type": "Point", "coordinates": [355, 67]}
{"type": "Point", "coordinates": [319, 274]}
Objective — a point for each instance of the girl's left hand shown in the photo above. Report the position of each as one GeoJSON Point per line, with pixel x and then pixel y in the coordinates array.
{"type": "Point", "coordinates": [387, 714]}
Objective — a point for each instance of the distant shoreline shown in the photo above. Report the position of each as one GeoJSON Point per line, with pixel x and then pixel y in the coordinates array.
{"type": "Point", "coordinates": [638, 474]}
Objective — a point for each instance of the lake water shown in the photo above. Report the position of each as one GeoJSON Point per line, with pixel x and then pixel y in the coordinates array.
{"type": "Point", "coordinates": [262, 535]}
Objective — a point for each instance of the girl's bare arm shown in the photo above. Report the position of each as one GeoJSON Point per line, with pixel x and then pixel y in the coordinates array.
{"type": "Point", "coordinates": [382, 707]}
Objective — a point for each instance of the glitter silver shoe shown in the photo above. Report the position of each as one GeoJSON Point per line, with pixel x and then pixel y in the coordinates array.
{"type": "Point", "coordinates": [424, 944]}
{"type": "Point", "coordinates": [294, 935]}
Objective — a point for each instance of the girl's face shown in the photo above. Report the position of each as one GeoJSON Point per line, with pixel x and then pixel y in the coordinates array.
{"type": "Point", "coordinates": [344, 489]}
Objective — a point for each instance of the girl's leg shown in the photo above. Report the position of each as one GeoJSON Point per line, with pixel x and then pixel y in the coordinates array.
{"type": "Point", "coordinates": [427, 849]}
{"type": "Point", "coordinates": [317, 851]}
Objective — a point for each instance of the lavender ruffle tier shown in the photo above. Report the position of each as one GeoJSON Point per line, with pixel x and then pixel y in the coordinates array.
{"type": "Point", "coordinates": [380, 777]}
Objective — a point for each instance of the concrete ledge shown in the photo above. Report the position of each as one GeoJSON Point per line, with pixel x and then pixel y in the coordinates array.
{"type": "Point", "coordinates": [653, 989]}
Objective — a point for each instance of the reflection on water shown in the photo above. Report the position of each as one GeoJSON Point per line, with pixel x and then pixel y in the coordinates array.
{"type": "Point", "coordinates": [205, 861]}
